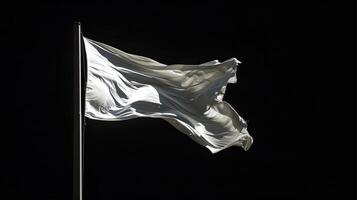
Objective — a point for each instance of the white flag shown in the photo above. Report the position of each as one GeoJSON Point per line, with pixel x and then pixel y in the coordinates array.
{"type": "Point", "coordinates": [123, 86]}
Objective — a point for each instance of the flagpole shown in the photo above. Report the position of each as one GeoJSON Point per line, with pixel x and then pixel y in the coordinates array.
{"type": "Point", "coordinates": [77, 123]}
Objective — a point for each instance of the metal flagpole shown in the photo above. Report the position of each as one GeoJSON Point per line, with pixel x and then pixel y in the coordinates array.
{"type": "Point", "coordinates": [77, 123]}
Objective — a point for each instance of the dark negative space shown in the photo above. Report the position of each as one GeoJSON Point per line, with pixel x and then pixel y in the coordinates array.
{"type": "Point", "coordinates": [287, 54]}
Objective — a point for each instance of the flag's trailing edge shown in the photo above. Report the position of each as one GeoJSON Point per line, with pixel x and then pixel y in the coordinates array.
{"type": "Point", "coordinates": [123, 86]}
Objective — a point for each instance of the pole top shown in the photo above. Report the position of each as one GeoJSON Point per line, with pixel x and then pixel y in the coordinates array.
{"type": "Point", "coordinates": [77, 23]}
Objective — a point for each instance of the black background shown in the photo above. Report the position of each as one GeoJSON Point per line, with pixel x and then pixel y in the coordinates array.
{"type": "Point", "coordinates": [289, 56]}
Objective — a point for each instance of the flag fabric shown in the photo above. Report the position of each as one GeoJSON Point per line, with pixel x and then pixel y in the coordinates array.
{"type": "Point", "coordinates": [123, 86]}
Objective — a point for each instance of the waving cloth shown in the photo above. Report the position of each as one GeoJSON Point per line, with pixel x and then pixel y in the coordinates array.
{"type": "Point", "coordinates": [123, 86]}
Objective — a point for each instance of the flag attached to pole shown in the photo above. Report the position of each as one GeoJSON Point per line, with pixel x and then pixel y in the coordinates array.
{"type": "Point", "coordinates": [123, 86]}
